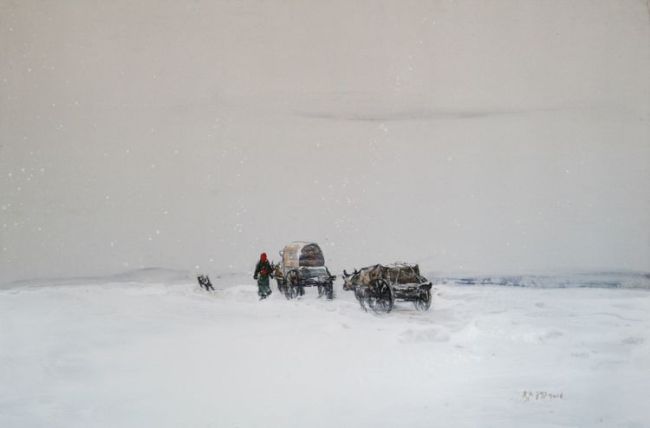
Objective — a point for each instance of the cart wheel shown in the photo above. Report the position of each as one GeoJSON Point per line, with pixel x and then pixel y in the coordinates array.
{"type": "Point", "coordinates": [423, 303]}
{"type": "Point", "coordinates": [380, 297]}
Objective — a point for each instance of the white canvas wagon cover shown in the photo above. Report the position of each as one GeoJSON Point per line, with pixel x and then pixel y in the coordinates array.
{"type": "Point", "coordinates": [302, 254]}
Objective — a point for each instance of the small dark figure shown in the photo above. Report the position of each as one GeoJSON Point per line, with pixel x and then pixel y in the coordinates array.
{"type": "Point", "coordinates": [204, 282]}
{"type": "Point", "coordinates": [263, 271]}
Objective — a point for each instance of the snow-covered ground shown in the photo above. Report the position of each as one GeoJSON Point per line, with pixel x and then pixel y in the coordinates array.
{"type": "Point", "coordinates": [163, 352]}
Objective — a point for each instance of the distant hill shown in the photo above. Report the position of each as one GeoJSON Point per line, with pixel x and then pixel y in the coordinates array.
{"type": "Point", "coordinates": [635, 280]}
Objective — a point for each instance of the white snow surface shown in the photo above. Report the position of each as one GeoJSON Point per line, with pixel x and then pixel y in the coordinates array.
{"type": "Point", "coordinates": [167, 354]}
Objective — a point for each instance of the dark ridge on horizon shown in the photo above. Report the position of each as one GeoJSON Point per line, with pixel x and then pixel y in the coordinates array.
{"type": "Point", "coordinates": [609, 279]}
{"type": "Point", "coordinates": [417, 115]}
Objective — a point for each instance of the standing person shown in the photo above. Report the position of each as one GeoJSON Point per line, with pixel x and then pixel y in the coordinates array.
{"type": "Point", "coordinates": [263, 271]}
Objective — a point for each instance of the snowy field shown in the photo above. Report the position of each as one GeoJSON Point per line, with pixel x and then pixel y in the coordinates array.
{"type": "Point", "coordinates": [163, 353]}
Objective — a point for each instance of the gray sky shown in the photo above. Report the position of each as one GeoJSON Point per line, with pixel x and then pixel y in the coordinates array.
{"type": "Point", "coordinates": [493, 136]}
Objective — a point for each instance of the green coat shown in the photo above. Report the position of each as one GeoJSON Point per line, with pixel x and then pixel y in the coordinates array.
{"type": "Point", "coordinates": [263, 271]}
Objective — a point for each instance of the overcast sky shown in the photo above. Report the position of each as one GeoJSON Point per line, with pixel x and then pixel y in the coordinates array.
{"type": "Point", "coordinates": [491, 136]}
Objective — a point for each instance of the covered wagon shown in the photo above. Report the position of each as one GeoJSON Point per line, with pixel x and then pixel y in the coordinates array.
{"type": "Point", "coordinates": [303, 265]}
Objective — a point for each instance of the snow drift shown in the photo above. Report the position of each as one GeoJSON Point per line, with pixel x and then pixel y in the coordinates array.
{"type": "Point", "coordinates": [124, 353]}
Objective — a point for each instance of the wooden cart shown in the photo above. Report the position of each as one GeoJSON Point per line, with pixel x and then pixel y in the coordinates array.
{"type": "Point", "coordinates": [378, 287]}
